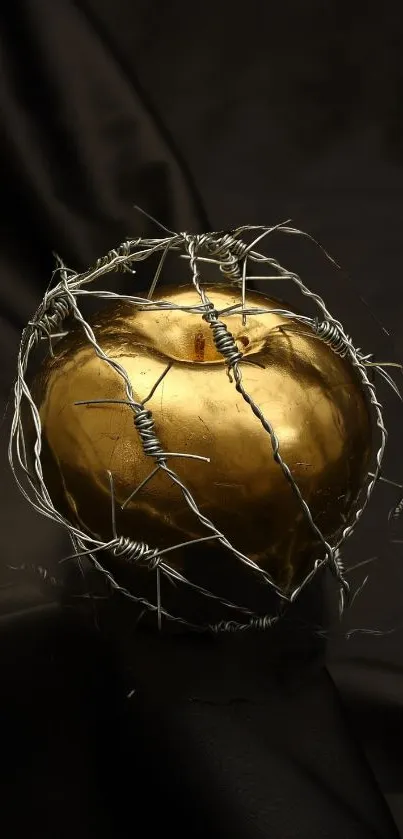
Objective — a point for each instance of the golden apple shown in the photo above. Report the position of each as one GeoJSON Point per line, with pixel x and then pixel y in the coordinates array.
{"type": "Point", "coordinates": [311, 396]}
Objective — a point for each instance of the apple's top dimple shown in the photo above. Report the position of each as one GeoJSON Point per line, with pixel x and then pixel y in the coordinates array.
{"type": "Point", "coordinates": [186, 336]}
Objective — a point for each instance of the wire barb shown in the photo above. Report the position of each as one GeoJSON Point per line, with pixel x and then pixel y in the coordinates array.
{"type": "Point", "coordinates": [135, 553]}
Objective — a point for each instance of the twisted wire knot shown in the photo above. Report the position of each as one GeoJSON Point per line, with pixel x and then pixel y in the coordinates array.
{"type": "Point", "coordinates": [397, 511]}
{"type": "Point", "coordinates": [124, 251]}
{"type": "Point", "coordinates": [329, 333]}
{"type": "Point", "coordinates": [211, 313]}
{"type": "Point", "coordinates": [229, 251]}
{"type": "Point", "coordinates": [259, 623]}
{"type": "Point", "coordinates": [201, 240]}
{"type": "Point", "coordinates": [338, 560]}
{"type": "Point", "coordinates": [262, 623]}
{"type": "Point", "coordinates": [225, 342]}
{"type": "Point", "coordinates": [50, 315]}
{"type": "Point", "coordinates": [144, 423]}
{"type": "Point", "coordinates": [138, 553]}
{"type": "Point", "coordinates": [43, 573]}
{"type": "Point", "coordinates": [228, 243]}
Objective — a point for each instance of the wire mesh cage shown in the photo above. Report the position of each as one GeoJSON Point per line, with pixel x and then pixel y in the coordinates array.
{"type": "Point", "coordinates": [99, 525]}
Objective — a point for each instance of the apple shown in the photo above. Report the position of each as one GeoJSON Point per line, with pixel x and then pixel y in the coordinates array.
{"type": "Point", "coordinates": [312, 397]}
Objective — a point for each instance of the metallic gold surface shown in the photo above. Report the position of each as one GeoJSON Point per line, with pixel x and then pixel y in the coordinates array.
{"type": "Point", "coordinates": [311, 396]}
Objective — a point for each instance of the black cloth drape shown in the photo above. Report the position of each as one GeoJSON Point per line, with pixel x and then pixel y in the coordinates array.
{"type": "Point", "coordinates": [206, 117]}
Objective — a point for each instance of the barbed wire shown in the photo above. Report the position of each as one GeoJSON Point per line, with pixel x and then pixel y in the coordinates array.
{"type": "Point", "coordinates": [232, 255]}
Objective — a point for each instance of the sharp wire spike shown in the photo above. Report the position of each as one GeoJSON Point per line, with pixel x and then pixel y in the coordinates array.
{"type": "Point", "coordinates": [245, 263]}
{"type": "Point", "coordinates": [113, 504]}
{"type": "Point", "coordinates": [157, 383]}
{"type": "Point", "coordinates": [159, 612]}
{"type": "Point", "coordinates": [154, 220]}
{"type": "Point", "coordinates": [158, 273]}
{"type": "Point", "coordinates": [140, 486]}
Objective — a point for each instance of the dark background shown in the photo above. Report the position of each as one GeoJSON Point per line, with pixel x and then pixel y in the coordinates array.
{"type": "Point", "coordinates": [206, 116]}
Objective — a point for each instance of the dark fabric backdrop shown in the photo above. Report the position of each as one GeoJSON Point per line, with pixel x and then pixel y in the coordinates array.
{"type": "Point", "coordinates": [208, 116]}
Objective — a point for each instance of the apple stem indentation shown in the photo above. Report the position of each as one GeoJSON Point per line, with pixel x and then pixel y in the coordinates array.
{"type": "Point", "coordinates": [199, 346]}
